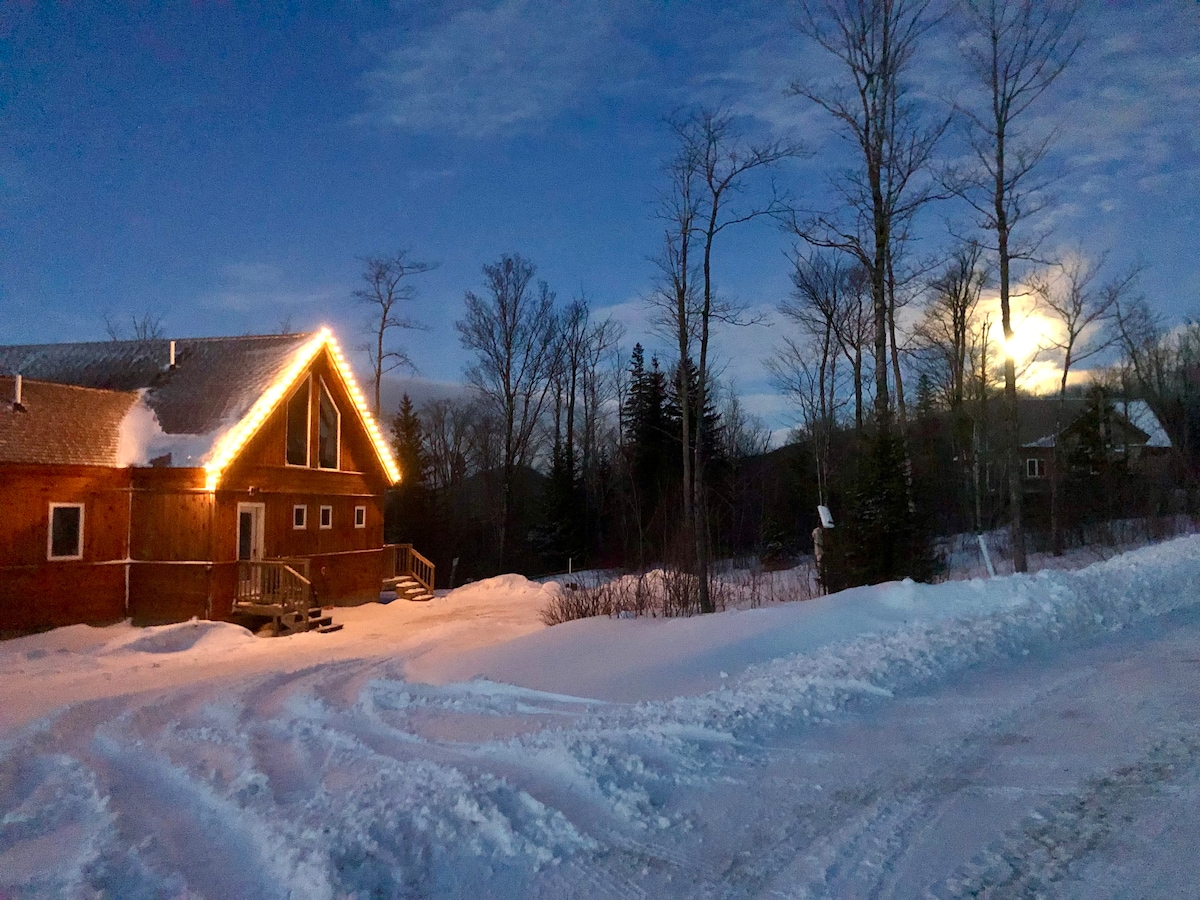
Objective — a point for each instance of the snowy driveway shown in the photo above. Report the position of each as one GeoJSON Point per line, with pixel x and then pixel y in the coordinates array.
{"type": "Point", "coordinates": [1023, 737]}
{"type": "Point", "coordinates": [1070, 774]}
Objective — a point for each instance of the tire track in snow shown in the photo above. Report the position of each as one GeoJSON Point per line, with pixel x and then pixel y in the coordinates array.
{"type": "Point", "coordinates": [864, 838]}
{"type": "Point", "coordinates": [220, 847]}
{"type": "Point", "coordinates": [1050, 843]}
{"type": "Point", "coordinates": [853, 846]}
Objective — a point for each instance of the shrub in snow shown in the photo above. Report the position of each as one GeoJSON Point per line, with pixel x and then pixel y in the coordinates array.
{"type": "Point", "coordinates": [670, 592]}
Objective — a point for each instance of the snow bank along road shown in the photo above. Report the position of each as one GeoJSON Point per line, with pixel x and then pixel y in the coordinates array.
{"type": "Point", "coordinates": [1020, 737]}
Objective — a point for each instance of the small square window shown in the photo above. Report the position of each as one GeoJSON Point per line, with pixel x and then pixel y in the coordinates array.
{"type": "Point", "coordinates": [65, 538]}
{"type": "Point", "coordinates": [326, 517]}
{"type": "Point", "coordinates": [299, 517]}
{"type": "Point", "coordinates": [360, 517]}
{"type": "Point", "coordinates": [1035, 468]}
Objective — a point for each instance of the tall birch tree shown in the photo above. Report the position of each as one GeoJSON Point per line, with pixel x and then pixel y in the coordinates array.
{"type": "Point", "coordinates": [1014, 50]}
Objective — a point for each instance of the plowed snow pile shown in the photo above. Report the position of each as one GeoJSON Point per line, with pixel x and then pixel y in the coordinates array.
{"type": "Point", "coordinates": [459, 748]}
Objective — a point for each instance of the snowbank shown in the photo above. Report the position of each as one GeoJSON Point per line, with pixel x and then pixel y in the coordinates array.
{"type": "Point", "coordinates": [346, 777]}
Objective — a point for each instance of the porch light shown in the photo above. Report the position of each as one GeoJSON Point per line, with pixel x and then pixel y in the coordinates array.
{"type": "Point", "coordinates": [231, 443]}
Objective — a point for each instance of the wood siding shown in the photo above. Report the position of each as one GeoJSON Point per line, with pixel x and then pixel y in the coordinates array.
{"type": "Point", "coordinates": [179, 556]}
{"type": "Point", "coordinates": [166, 592]}
{"type": "Point", "coordinates": [36, 592]}
{"type": "Point", "coordinates": [345, 565]}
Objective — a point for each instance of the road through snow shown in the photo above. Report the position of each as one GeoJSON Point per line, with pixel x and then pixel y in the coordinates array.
{"type": "Point", "coordinates": [1016, 737]}
{"type": "Point", "coordinates": [1067, 774]}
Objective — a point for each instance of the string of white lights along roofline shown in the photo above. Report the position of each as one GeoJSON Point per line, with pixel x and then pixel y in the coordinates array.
{"type": "Point", "coordinates": [230, 443]}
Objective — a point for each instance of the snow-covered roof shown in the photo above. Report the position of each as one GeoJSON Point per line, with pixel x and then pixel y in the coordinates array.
{"type": "Point", "coordinates": [1040, 418]}
{"type": "Point", "coordinates": [171, 414]}
{"type": "Point", "coordinates": [214, 383]}
{"type": "Point", "coordinates": [199, 411]}
{"type": "Point", "coordinates": [1044, 443]}
{"type": "Point", "coordinates": [1142, 417]}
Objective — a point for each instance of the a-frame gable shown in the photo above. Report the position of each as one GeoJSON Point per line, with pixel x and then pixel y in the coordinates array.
{"type": "Point", "coordinates": [323, 347]}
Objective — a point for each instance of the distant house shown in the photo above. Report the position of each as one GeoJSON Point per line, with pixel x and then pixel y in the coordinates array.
{"type": "Point", "coordinates": [162, 480]}
{"type": "Point", "coordinates": [1092, 433]}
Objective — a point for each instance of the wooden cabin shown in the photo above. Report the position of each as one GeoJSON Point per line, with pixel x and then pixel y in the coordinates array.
{"type": "Point", "coordinates": [1124, 432]}
{"type": "Point", "coordinates": [161, 480]}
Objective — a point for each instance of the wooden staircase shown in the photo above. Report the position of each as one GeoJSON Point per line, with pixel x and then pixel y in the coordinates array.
{"type": "Point", "coordinates": [408, 573]}
{"type": "Point", "coordinates": [407, 588]}
{"type": "Point", "coordinates": [321, 623]}
{"type": "Point", "coordinates": [281, 590]}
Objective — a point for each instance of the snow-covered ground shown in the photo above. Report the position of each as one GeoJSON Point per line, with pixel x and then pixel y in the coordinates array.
{"type": "Point", "coordinates": [1021, 736]}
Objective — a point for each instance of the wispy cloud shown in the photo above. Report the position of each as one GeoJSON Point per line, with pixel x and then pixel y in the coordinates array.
{"type": "Point", "coordinates": [483, 72]}
{"type": "Point", "coordinates": [1132, 94]}
{"type": "Point", "coordinates": [256, 287]}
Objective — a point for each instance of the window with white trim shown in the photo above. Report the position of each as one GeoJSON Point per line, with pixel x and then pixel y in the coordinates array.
{"type": "Point", "coordinates": [1035, 467]}
{"type": "Point", "coordinates": [299, 517]}
{"type": "Point", "coordinates": [360, 517]}
{"type": "Point", "coordinates": [326, 520]}
{"type": "Point", "coordinates": [64, 538]}
{"type": "Point", "coordinates": [328, 432]}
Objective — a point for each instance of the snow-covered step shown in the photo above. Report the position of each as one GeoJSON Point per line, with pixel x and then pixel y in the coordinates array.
{"type": "Point", "coordinates": [398, 582]}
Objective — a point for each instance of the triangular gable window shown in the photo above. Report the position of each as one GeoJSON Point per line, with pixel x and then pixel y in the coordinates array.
{"type": "Point", "coordinates": [330, 426]}
{"type": "Point", "coordinates": [298, 425]}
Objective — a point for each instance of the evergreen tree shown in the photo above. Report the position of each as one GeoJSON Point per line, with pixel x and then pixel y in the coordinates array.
{"type": "Point", "coordinates": [883, 538]}
{"type": "Point", "coordinates": [713, 445]}
{"type": "Point", "coordinates": [925, 397]}
{"type": "Point", "coordinates": [561, 533]}
{"type": "Point", "coordinates": [409, 445]}
{"type": "Point", "coordinates": [409, 511]}
{"type": "Point", "coordinates": [651, 452]}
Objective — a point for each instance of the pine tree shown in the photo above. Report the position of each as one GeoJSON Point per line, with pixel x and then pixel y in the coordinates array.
{"type": "Point", "coordinates": [409, 511]}
{"type": "Point", "coordinates": [883, 539]}
{"type": "Point", "coordinates": [408, 444]}
{"type": "Point", "coordinates": [649, 443]}
{"type": "Point", "coordinates": [713, 448]}
{"type": "Point", "coordinates": [560, 535]}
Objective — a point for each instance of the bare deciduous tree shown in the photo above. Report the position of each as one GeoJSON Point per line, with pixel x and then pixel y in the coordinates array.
{"type": "Point", "coordinates": [387, 289]}
{"type": "Point", "coordinates": [445, 425]}
{"type": "Point", "coordinates": [1083, 308]}
{"type": "Point", "coordinates": [512, 331]}
{"type": "Point", "coordinates": [583, 383]}
{"type": "Point", "coordinates": [825, 307]}
{"type": "Point", "coordinates": [707, 178]}
{"type": "Point", "coordinates": [743, 434]}
{"type": "Point", "coordinates": [148, 327]}
{"type": "Point", "coordinates": [874, 42]}
{"type": "Point", "coordinates": [1015, 50]}
{"type": "Point", "coordinates": [944, 333]}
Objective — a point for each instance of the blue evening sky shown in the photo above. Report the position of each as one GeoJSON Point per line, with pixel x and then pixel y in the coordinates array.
{"type": "Point", "coordinates": [223, 167]}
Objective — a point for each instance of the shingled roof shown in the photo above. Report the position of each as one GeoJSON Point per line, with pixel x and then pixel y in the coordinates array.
{"type": "Point", "coordinates": [200, 410]}
{"type": "Point", "coordinates": [214, 383]}
{"type": "Point", "coordinates": [61, 424]}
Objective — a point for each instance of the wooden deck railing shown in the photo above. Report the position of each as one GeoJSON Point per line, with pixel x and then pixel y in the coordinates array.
{"type": "Point", "coordinates": [404, 560]}
{"type": "Point", "coordinates": [276, 587]}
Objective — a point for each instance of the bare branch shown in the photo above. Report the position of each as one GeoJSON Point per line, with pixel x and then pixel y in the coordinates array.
{"type": "Point", "coordinates": [386, 290]}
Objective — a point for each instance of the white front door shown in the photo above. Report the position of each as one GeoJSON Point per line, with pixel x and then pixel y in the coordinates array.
{"type": "Point", "coordinates": [250, 529]}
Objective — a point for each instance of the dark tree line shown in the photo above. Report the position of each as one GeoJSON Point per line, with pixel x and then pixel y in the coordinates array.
{"type": "Point", "coordinates": [897, 357]}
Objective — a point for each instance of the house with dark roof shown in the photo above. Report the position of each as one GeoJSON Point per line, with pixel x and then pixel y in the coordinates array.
{"type": "Point", "coordinates": [214, 477]}
{"type": "Point", "coordinates": [1086, 430]}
